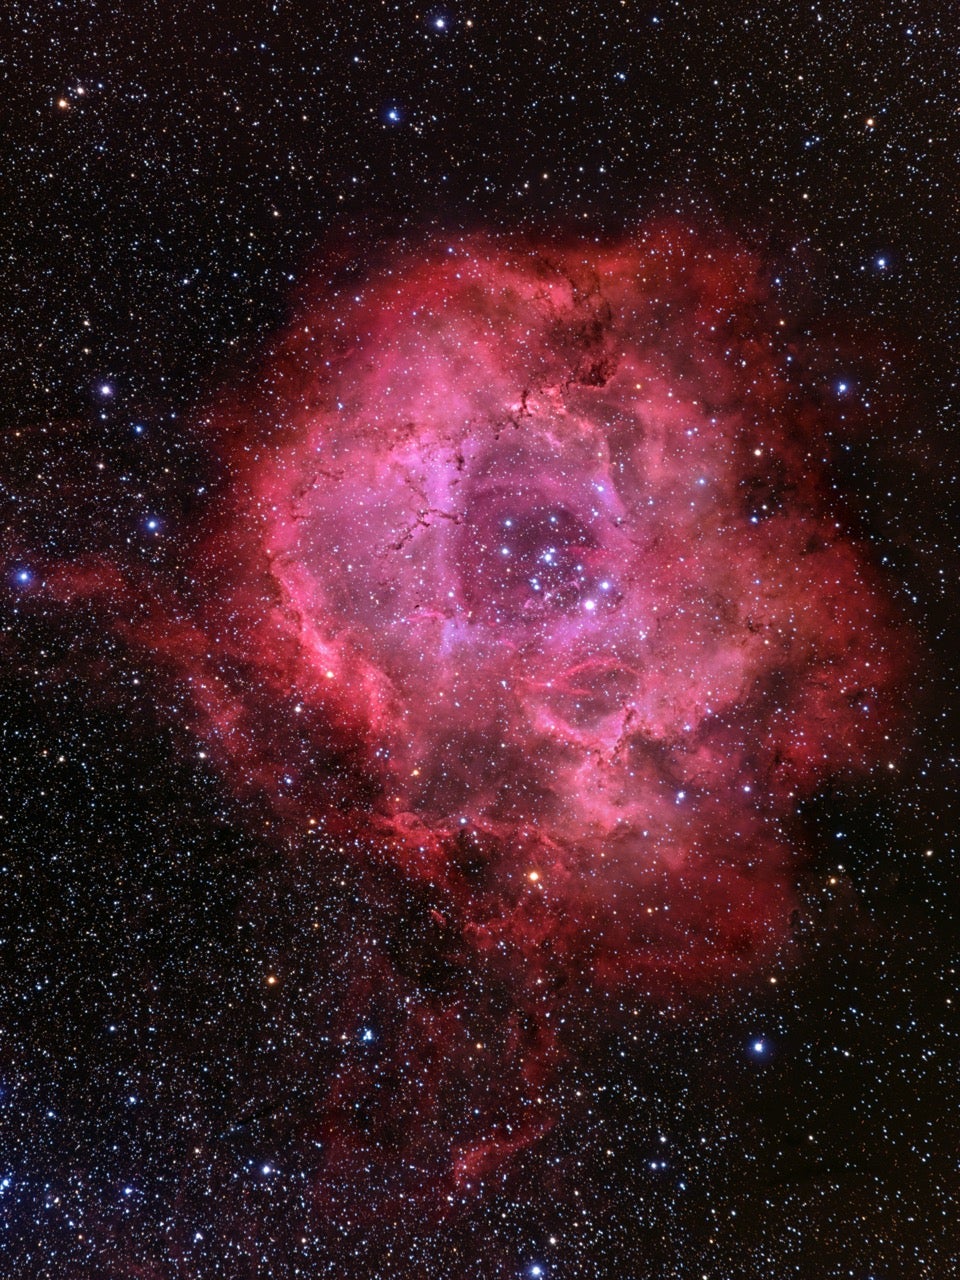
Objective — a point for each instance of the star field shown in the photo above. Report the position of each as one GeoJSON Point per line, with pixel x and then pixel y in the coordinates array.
{"type": "Point", "coordinates": [479, 641]}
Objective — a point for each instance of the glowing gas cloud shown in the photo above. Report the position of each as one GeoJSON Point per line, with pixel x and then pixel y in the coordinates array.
{"type": "Point", "coordinates": [529, 586]}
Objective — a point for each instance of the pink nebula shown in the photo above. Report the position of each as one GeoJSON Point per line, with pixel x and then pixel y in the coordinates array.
{"type": "Point", "coordinates": [529, 584]}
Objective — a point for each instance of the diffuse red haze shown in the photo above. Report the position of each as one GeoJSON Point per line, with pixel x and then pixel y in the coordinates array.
{"type": "Point", "coordinates": [527, 607]}
{"type": "Point", "coordinates": [532, 589]}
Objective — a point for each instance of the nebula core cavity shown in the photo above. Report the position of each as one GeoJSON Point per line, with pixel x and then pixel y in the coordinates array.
{"type": "Point", "coordinates": [534, 591]}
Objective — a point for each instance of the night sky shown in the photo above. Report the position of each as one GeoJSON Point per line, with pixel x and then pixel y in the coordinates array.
{"type": "Point", "coordinates": [479, 641]}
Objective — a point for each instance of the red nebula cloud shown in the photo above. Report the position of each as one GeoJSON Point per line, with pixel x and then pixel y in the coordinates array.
{"type": "Point", "coordinates": [528, 597]}
{"type": "Point", "coordinates": [531, 587]}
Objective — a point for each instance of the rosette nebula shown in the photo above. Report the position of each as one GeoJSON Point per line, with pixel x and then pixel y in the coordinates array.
{"type": "Point", "coordinates": [530, 588]}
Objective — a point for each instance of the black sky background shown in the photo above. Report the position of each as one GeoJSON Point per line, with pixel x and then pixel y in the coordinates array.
{"type": "Point", "coordinates": [157, 229]}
